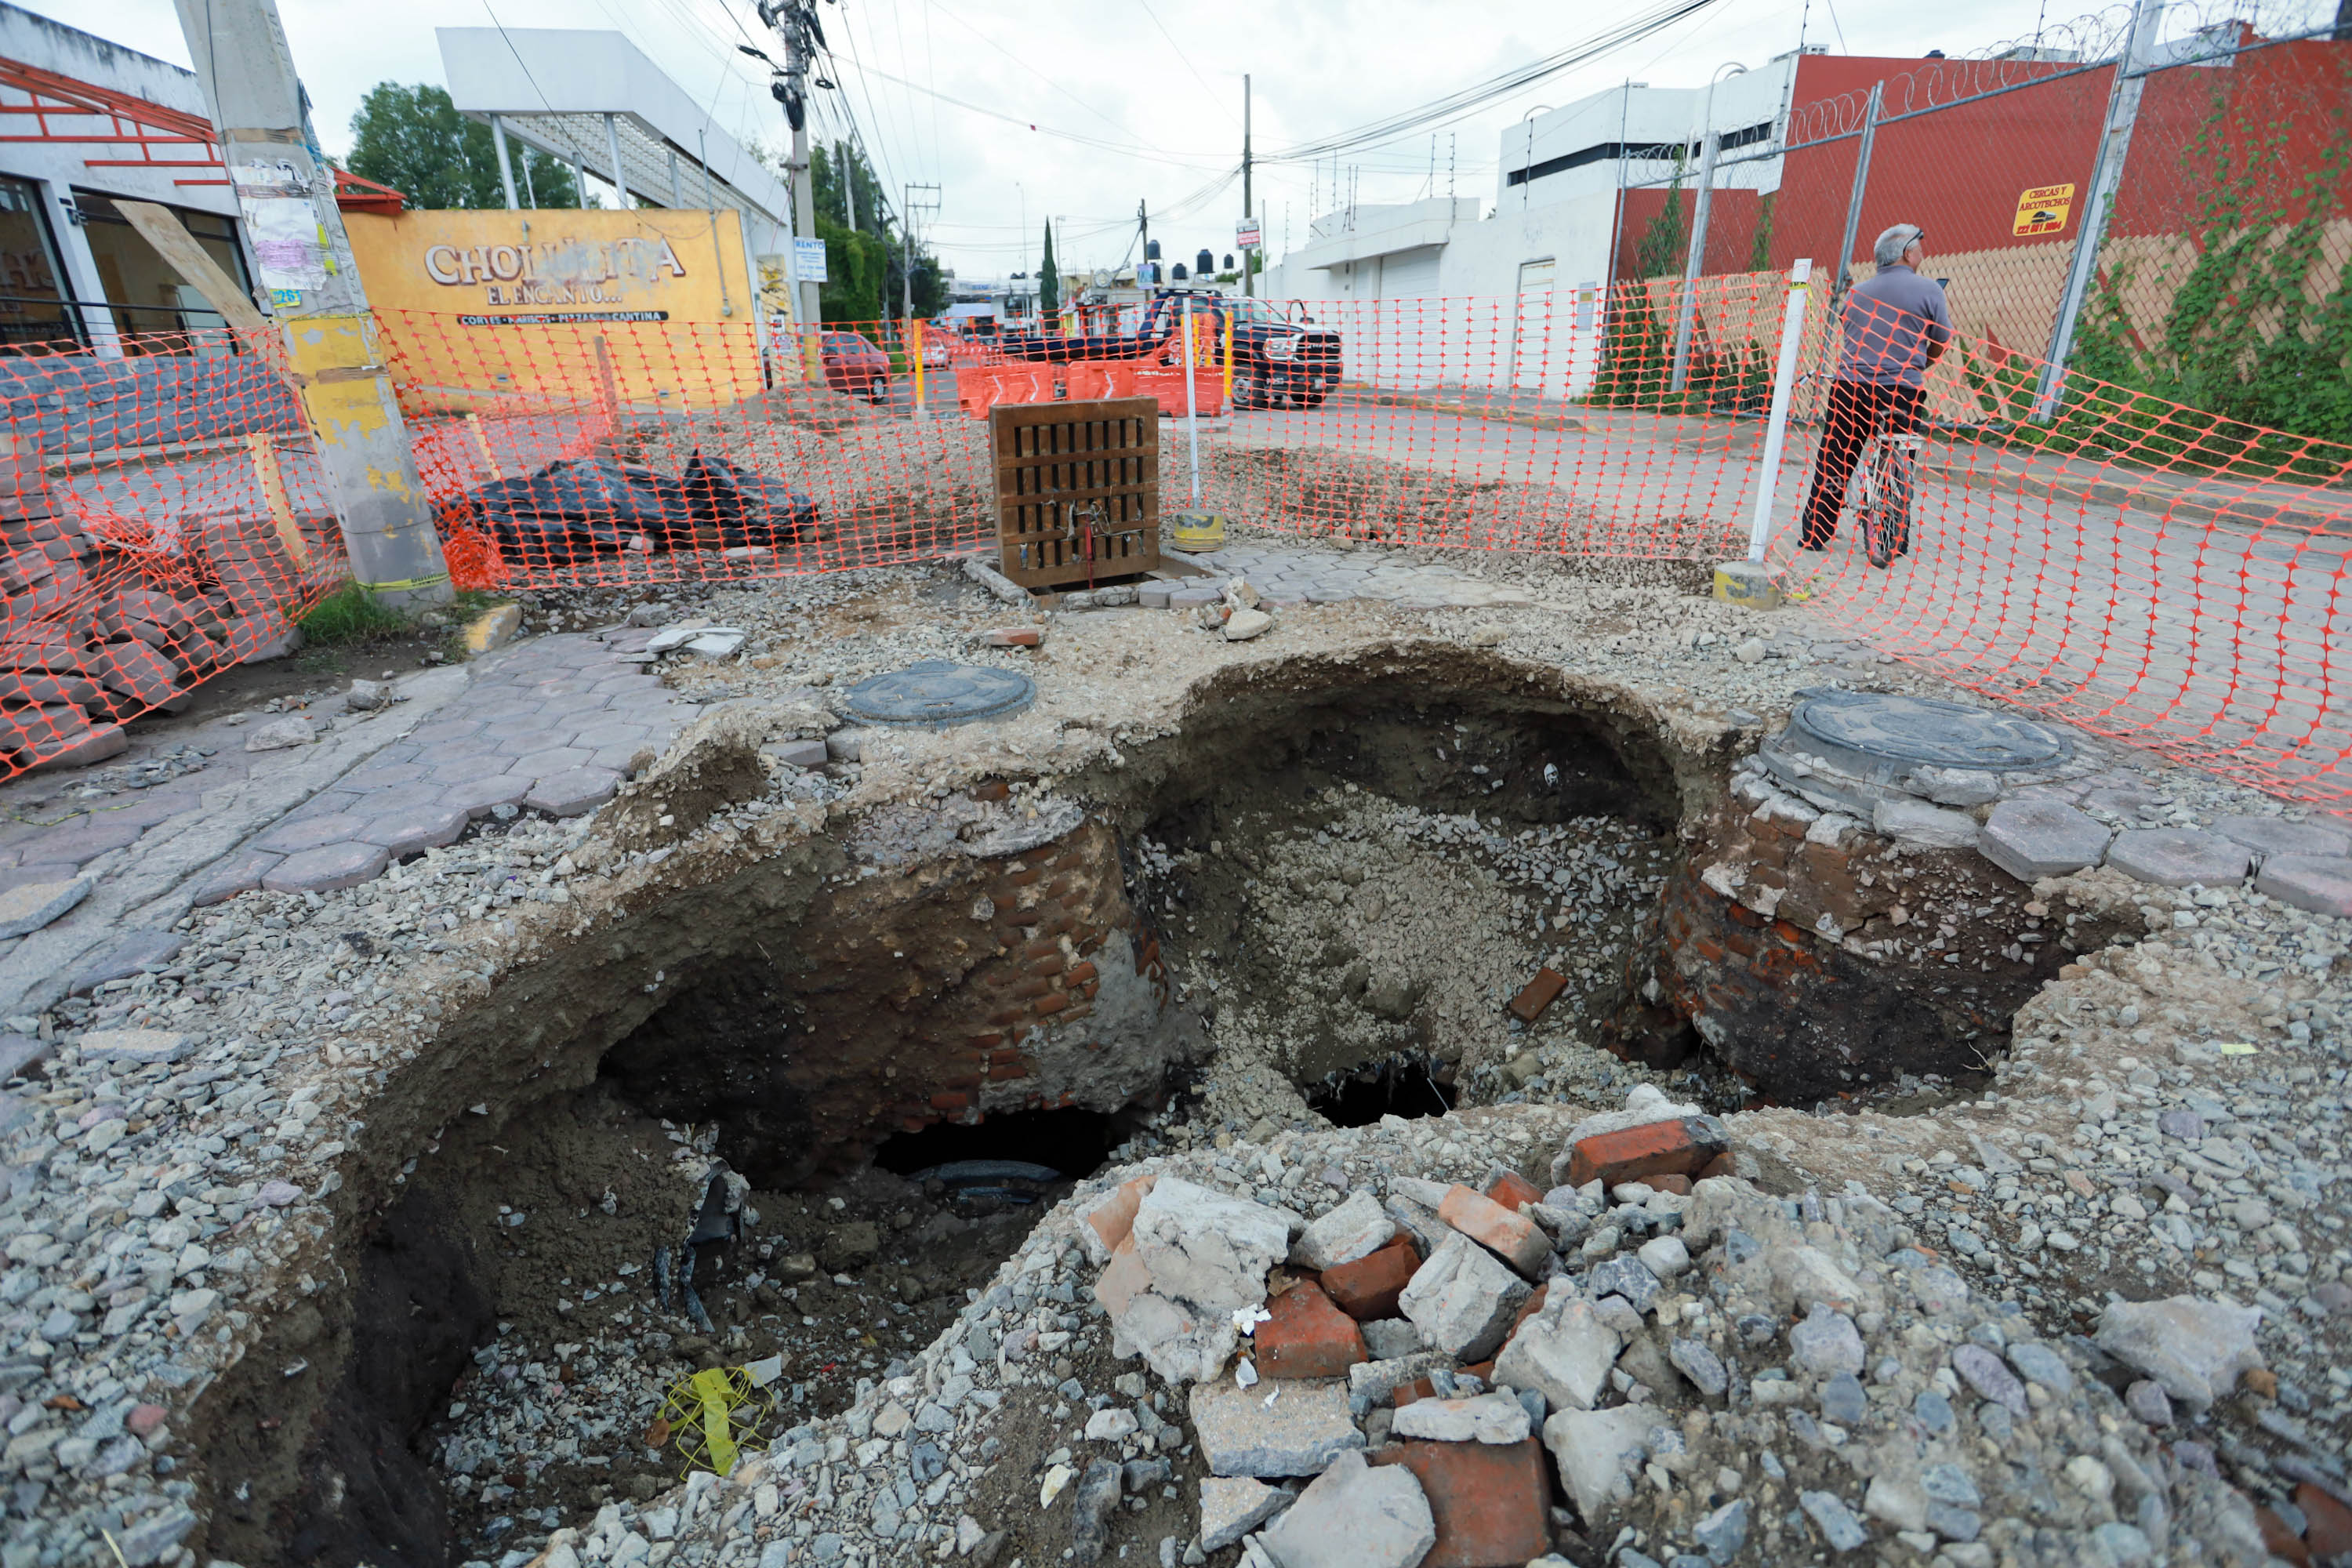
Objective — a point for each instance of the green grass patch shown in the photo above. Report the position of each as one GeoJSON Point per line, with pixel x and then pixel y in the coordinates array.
{"type": "Point", "coordinates": [351, 617]}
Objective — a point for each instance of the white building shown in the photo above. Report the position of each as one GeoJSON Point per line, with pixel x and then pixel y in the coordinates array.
{"type": "Point", "coordinates": [90, 123]}
{"type": "Point", "coordinates": [1526, 280]}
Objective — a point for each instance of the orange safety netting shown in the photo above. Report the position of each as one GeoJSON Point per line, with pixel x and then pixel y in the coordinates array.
{"type": "Point", "coordinates": [163, 516]}
{"type": "Point", "coordinates": [2130, 564]}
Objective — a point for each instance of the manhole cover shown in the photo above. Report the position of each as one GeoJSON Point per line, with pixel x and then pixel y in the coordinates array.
{"type": "Point", "coordinates": [1873, 732]}
{"type": "Point", "coordinates": [936, 694]}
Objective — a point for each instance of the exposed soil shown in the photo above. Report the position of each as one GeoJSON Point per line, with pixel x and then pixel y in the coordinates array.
{"type": "Point", "coordinates": [516, 1310]}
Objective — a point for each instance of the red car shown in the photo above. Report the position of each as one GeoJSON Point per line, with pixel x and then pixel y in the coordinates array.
{"type": "Point", "coordinates": [852, 363]}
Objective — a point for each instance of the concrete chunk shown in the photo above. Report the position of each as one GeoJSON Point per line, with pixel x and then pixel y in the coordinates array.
{"type": "Point", "coordinates": [2194, 1347]}
{"type": "Point", "coordinates": [2034, 838]}
{"type": "Point", "coordinates": [573, 791]}
{"type": "Point", "coordinates": [1356, 1228]}
{"type": "Point", "coordinates": [1597, 1453]}
{"type": "Point", "coordinates": [1207, 1249]}
{"type": "Point", "coordinates": [1461, 1299]}
{"type": "Point", "coordinates": [1354, 1516]}
{"type": "Point", "coordinates": [2178, 857]}
{"type": "Point", "coordinates": [1303, 1429]}
{"type": "Point", "coordinates": [1486, 1418]}
{"type": "Point", "coordinates": [1564, 1349]}
{"type": "Point", "coordinates": [1232, 1505]}
{"type": "Point", "coordinates": [126, 958]}
{"type": "Point", "coordinates": [141, 1046]}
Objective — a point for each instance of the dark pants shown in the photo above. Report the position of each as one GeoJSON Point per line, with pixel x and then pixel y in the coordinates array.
{"type": "Point", "coordinates": [1858, 410]}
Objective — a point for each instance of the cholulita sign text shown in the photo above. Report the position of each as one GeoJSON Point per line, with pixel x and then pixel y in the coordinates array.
{"type": "Point", "coordinates": [555, 273]}
{"type": "Point", "coordinates": [490, 266]}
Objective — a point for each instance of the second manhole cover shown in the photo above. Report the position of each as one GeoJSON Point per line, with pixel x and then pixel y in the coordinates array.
{"type": "Point", "coordinates": [936, 694]}
{"type": "Point", "coordinates": [1877, 732]}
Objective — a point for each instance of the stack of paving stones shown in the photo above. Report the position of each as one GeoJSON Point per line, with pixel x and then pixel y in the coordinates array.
{"type": "Point", "coordinates": [91, 637]}
{"type": "Point", "coordinates": [2072, 817]}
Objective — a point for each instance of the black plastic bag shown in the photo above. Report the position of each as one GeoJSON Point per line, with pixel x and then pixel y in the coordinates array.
{"type": "Point", "coordinates": [571, 510]}
{"type": "Point", "coordinates": [746, 507]}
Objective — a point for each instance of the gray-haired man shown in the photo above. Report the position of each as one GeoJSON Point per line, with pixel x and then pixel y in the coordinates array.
{"type": "Point", "coordinates": [1895, 325]}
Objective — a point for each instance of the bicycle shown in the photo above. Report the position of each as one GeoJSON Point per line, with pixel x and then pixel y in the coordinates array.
{"type": "Point", "coordinates": [1886, 480]}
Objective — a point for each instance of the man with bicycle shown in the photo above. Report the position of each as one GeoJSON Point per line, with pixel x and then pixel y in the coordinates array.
{"type": "Point", "coordinates": [1895, 325]}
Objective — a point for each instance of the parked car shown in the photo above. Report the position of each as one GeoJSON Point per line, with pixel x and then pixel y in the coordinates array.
{"type": "Point", "coordinates": [852, 363]}
{"type": "Point", "coordinates": [1275, 358]}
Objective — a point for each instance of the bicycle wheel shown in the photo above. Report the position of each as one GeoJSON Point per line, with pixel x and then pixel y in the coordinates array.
{"type": "Point", "coordinates": [1878, 512]}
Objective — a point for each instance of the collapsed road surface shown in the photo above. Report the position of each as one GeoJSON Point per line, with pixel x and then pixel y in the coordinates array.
{"type": "Point", "coordinates": [1541, 1075]}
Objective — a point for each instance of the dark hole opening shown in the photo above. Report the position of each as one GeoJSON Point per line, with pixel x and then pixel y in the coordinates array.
{"type": "Point", "coordinates": [1071, 1140]}
{"type": "Point", "coordinates": [1397, 1087]}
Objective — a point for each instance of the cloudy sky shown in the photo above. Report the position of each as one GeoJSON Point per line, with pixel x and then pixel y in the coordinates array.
{"type": "Point", "coordinates": [1136, 99]}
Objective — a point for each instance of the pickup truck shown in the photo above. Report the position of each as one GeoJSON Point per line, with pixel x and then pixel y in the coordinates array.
{"type": "Point", "coordinates": [1275, 358]}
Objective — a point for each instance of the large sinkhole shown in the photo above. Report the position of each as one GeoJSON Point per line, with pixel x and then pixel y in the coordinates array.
{"type": "Point", "coordinates": [793, 1118]}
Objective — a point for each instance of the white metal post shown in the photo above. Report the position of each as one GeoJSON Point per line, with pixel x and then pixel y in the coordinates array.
{"type": "Point", "coordinates": [1776, 429]}
{"type": "Point", "coordinates": [1191, 406]}
{"type": "Point", "coordinates": [2115, 146]}
{"type": "Point", "coordinates": [612, 148]}
{"type": "Point", "coordinates": [506, 163]}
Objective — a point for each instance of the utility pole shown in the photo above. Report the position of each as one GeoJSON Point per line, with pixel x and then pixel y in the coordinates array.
{"type": "Point", "coordinates": [1143, 221]}
{"type": "Point", "coordinates": [1249, 279]}
{"type": "Point", "coordinates": [287, 195]}
{"type": "Point", "coordinates": [914, 205]}
{"type": "Point", "coordinates": [794, 22]}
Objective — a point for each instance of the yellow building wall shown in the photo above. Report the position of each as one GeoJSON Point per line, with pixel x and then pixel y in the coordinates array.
{"type": "Point", "coordinates": [504, 310]}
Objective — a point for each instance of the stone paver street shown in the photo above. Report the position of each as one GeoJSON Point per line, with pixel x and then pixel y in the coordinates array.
{"type": "Point", "coordinates": [550, 726]}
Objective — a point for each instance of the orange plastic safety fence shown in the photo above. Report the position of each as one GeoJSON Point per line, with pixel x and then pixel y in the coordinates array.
{"type": "Point", "coordinates": [163, 515]}
{"type": "Point", "coordinates": [2128, 564]}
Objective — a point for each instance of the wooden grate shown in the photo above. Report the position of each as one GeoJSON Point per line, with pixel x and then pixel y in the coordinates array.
{"type": "Point", "coordinates": [1077, 489]}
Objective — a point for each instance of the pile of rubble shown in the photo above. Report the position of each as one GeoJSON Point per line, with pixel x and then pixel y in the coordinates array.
{"type": "Point", "coordinates": [1413, 1376]}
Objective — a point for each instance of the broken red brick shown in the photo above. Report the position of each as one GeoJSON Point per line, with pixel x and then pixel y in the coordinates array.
{"type": "Point", "coordinates": [1538, 995]}
{"type": "Point", "coordinates": [1682, 1147]}
{"type": "Point", "coordinates": [1488, 1500]}
{"type": "Point", "coordinates": [2330, 1532]}
{"type": "Point", "coordinates": [1679, 1185]}
{"type": "Point", "coordinates": [991, 789]}
{"type": "Point", "coordinates": [1367, 1288]}
{"type": "Point", "coordinates": [1308, 1336]}
{"type": "Point", "coordinates": [1126, 1278]}
{"type": "Point", "coordinates": [1012, 636]}
{"type": "Point", "coordinates": [1513, 1237]}
{"type": "Point", "coordinates": [2281, 1542]}
{"type": "Point", "coordinates": [1112, 1219]}
{"type": "Point", "coordinates": [1511, 1189]}
{"type": "Point", "coordinates": [144, 1418]}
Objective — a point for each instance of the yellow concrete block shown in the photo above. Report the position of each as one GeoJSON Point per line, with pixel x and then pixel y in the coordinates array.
{"type": "Point", "coordinates": [1747, 585]}
{"type": "Point", "coordinates": [1196, 532]}
{"type": "Point", "coordinates": [492, 628]}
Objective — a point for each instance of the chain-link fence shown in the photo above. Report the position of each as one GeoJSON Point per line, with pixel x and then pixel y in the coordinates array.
{"type": "Point", "coordinates": [2220, 278]}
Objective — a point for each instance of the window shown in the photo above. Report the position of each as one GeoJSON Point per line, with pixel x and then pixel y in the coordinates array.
{"type": "Point", "coordinates": [145, 292]}
{"type": "Point", "coordinates": [32, 302]}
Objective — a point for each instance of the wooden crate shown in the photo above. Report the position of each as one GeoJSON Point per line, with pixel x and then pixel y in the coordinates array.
{"type": "Point", "coordinates": [1077, 489]}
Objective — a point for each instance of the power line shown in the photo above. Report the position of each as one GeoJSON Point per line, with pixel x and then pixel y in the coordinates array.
{"type": "Point", "coordinates": [1456, 105]}
{"type": "Point", "coordinates": [1151, 155]}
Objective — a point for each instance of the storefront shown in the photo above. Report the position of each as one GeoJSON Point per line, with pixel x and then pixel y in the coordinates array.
{"type": "Point", "coordinates": [87, 125]}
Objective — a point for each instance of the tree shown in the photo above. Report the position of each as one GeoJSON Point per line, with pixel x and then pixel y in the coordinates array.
{"type": "Point", "coordinates": [1049, 278]}
{"type": "Point", "coordinates": [1665, 247]}
{"type": "Point", "coordinates": [413, 139]}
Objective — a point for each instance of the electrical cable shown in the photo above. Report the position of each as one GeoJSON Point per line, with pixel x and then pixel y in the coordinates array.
{"type": "Point", "coordinates": [1460, 103]}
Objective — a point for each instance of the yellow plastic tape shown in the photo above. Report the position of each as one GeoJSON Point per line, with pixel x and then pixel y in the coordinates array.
{"type": "Point", "coordinates": [717, 1395]}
